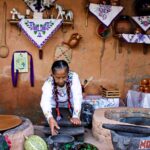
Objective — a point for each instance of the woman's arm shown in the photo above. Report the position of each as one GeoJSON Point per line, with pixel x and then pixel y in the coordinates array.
{"type": "Point", "coordinates": [46, 100]}
{"type": "Point", "coordinates": [77, 96]}
{"type": "Point", "coordinates": [47, 107]}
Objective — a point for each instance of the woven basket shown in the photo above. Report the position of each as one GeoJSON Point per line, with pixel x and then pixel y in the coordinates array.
{"type": "Point", "coordinates": [63, 52]}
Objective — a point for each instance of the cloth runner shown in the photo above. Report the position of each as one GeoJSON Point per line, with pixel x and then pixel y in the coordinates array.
{"type": "Point", "coordinates": [142, 21]}
{"type": "Point", "coordinates": [138, 99]}
{"type": "Point", "coordinates": [101, 102]}
{"type": "Point", "coordinates": [105, 13]}
{"type": "Point", "coordinates": [136, 38]}
{"type": "Point", "coordinates": [40, 30]}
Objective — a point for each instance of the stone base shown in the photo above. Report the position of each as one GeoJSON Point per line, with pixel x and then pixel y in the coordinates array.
{"type": "Point", "coordinates": [17, 135]}
{"type": "Point", "coordinates": [112, 116]}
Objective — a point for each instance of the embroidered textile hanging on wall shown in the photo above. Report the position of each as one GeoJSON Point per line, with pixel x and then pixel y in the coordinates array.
{"type": "Point", "coordinates": [136, 38]}
{"type": "Point", "coordinates": [40, 30]}
{"type": "Point", "coordinates": [105, 13]}
{"type": "Point", "coordinates": [143, 22]}
{"type": "Point", "coordinates": [19, 64]}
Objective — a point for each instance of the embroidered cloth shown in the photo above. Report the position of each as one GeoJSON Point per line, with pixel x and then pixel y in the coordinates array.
{"type": "Point", "coordinates": [40, 30]}
{"type": "Point", "coordinates": [142, 21]}
{"type": "Point", "coordinates": [138, 99]}
{"type": "Point", "coordinates": [105, 13]}
{"type": "Point", "coordinates": [136, 38]}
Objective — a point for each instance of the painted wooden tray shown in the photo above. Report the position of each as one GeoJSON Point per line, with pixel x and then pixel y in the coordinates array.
{"type": "Point", "coordinates": [9, 121]}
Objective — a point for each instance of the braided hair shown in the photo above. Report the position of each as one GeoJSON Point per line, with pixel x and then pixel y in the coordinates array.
{"type": "Point", "coordinates": [61, 64]}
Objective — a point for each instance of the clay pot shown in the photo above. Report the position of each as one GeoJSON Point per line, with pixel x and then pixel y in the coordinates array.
{"type": "Point", "coordinates": [123, 25]}
{"type": "Point", "coordinates": [74, 40]}
{"type": "Point", "coordinates": [145, 82]}
{"type": "Point", "coordinates": [141, 89]}
{"type": "Point", "coordinates": [147, 89]}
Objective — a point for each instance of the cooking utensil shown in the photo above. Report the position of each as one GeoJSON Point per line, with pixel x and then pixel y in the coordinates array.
{"type": "Point", "coordinates": [60, 141]}
{"type": "Point", "coordinates": [4, 50]}
{"type": "Point", "coordinates": [9, 121]}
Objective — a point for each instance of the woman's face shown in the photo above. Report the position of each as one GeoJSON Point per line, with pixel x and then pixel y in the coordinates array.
{"type": "Point", "coordinates": [60, 76]}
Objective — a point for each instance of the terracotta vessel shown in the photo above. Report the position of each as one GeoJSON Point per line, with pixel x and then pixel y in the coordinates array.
{"type": "Point", "coordinates": [145, 82]}
{"type": "Point", "coordinates": [74, 40]}
{"type": "Point", "coordinates": [141, 89]}
{"type": "Point", "coordinates": [123, 25]}
{"type": "Point", "coordinates": [147, 89]}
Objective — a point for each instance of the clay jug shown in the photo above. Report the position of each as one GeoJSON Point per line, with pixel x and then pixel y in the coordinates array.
{"type": "Point", "coordinates": [123, 25]}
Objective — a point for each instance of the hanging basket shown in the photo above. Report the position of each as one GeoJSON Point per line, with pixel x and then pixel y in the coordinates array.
{"type": "Point", "coordinates": [123, 25]}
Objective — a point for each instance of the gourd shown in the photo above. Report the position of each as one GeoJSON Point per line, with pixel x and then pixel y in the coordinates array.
{"type": "Point", "coordinates": [35, 142]}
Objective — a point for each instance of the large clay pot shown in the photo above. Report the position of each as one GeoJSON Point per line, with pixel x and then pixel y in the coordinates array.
{"type": "Point", "coordinates": [123, 25]}
{"type": "Point", "coordinates": [145, 82]}
{"type": "Point", "coordinates": [147, 89]}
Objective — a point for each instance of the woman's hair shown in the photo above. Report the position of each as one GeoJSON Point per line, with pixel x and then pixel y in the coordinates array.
{"type": "Point", "coordinates": [59, 64]}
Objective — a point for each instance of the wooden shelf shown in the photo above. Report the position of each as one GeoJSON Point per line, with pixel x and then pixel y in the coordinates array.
{"type": "Point", "coordinates": [11, 21]}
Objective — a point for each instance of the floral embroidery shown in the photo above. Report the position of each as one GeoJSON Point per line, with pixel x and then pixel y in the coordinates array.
{"type": "Point", "coordinates": [39, 29]}
{"type": "Point", "coordinates": [136, 38]}
{"type": "Point", "coordinates": [144, 20]}
{"type": "Point", "coordinates": [104, 10]}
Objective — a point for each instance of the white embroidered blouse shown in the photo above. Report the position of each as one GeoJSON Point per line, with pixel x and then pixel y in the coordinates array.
{"type": "Point", "coordinates": [47, 99]}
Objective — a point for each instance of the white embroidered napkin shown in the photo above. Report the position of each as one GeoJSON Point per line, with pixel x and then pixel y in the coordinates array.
{"type": "Point", "coordinates": [105, 13]}
{"type": "Point", "coordinates": [142, 21]}
{"type": "Point", "coordinates": [136, 38]}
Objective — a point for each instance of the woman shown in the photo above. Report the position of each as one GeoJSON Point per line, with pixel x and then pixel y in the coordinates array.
{"type": "Point", "coordinates": [61, 89]}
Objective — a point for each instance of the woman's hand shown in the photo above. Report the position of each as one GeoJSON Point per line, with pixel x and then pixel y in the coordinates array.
{"type": "Point", "coordinates": [53, 126]}
{"type": "Point", "coordinates": [75, 121]}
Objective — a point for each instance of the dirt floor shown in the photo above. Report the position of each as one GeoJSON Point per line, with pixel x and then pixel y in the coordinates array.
{"type": "Point", "coordinates": [101, 145]}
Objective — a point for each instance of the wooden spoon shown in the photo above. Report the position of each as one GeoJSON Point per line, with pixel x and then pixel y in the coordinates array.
{"type": "Point", "coordinates": [4, 50]}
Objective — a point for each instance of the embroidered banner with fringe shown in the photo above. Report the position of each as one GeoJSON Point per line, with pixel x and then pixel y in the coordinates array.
{"type": "Point", "coordinates": [40, 30]}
